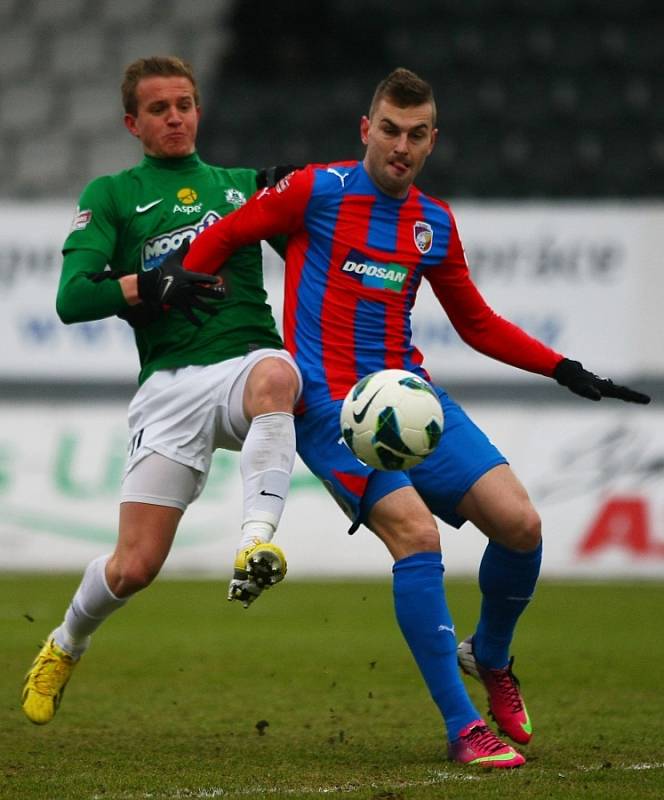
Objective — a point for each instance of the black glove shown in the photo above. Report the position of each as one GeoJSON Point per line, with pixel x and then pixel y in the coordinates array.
{"type": "Point", "coordinates": [139, 316]}
{"type": "Point", "coordinates": [170, 284]}
{"type": "Point", "coordinates": [580, 381]}
{"type": "Point", "coordinates": [270, 176]}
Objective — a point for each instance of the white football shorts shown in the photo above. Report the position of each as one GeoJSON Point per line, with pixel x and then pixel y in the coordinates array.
{"type": "Point", "coordinates": [184, 415]}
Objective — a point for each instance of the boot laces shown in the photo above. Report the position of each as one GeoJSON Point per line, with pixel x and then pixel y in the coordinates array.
{"type": "Point", "coordinates": [508, 684]}
{"type": "Point", "coordinates": [51, 673]}
{"type": "Point", "coordinates": [482, 739]}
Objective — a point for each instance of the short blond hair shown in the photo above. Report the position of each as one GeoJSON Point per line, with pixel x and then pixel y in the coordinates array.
{"type": "Point", "coordinates": [160, 66]}
{"type": "Point", "coordinates": [403, 88]}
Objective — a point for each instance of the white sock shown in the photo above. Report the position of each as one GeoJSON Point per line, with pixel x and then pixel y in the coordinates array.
{"type": "Point", "coordinates": [91, 604]}
{"type": "Point", "coordinates": [266, 464]}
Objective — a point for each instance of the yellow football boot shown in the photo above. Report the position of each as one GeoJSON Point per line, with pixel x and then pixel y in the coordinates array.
{"type": "Point", "coordinates": [257, 567]}
{"type": "Point", "coordinates": [45, 682]}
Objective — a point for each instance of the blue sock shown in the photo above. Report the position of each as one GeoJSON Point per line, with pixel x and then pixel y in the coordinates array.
{"type": "Point", "coordinates": [425, 621]}
{"type": "Point", "coordinates": [507, 582]}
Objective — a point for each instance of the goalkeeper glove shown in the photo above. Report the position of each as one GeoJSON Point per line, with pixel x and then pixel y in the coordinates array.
{"type": "Point", "coordinates": [578, 380]}
{"type": "Point", "coordinates": [170, 284]}
{"type": "Point", "coordinates": [270, 176]}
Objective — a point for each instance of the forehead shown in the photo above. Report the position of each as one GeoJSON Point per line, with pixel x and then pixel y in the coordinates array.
{"type": "Point", "coordinates": [406, 118]}
{"type": "Point", "coordinates": [157, 87]}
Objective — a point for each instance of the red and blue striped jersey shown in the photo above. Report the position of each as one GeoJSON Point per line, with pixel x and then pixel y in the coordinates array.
{"type": "Point", "coordinates": [354, 262]}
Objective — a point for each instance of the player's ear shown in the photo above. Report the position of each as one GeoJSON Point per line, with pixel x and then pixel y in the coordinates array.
{"type": "Point", "coordinates": [434, 139]}
{"type": "Point", "coordinates": [364, 129]}
{"type": "Point", "coordinates": [130, 124]}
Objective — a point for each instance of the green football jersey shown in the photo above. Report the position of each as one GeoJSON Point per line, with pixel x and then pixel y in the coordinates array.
{"type": "Point", "coordinates": [135, 219]}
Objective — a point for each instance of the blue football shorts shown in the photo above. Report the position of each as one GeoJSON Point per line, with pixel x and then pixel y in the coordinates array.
{"type": "Point", "coordinates": [442, 479]}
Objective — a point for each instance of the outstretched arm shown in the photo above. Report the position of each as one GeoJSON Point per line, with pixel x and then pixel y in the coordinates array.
{"type": "Point", "coordinates": [269, 212]}
{"type": "Point", "coordinates": [489, 333]}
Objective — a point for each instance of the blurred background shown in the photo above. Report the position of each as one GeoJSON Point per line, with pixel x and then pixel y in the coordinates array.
{"type": "Point", "coordinates": [551, 152]}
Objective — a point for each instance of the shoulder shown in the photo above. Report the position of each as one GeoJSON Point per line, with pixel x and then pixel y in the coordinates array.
{"type": "Point", "coordinates": [436, 210]}
{"type": "Point", "coordinates": [241, 177]}
{"type": "Point", "coordinates": [333, 178]}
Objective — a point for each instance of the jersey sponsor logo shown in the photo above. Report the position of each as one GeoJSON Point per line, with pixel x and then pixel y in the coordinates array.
{"type": "Point", "coordinates": [142, 209]}
{"type": "Point", "coordinates": [187, 195]}
{"type": "Point", "coordinates": [373, 274]}
{"type": "Point", "coordinates": [158, 248]}
{"type": "Point", "coordinates": [81, 219]}
{"type": "Point", "coordinates": [188, 205]}
{"type": "Point", "coordinates": [423, 236]}
{"type": "Point", "coordinates": [235, 197]}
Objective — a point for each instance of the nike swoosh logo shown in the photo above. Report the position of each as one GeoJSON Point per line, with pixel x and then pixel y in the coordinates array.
{"type": "Point", "coordinates": [165, 287]}
{"type": "Point", "coordinates": [141, 209]}
{"type": "Point", "coordinates": [359, 417]}
{"type": "Point", "coordinates": [269, 494]}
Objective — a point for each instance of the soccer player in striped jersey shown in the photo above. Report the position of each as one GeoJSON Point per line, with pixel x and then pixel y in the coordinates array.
{"type": "Point", "coordinates": [361, 238]}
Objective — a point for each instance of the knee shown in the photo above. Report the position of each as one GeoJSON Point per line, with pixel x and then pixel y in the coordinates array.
{"type": "Point", "coordinates": [525, 534]}
{"type": "Point", "coordinates": [404, 537]}
{"type": "Point", "coordinates": [126, 576]}
{"type": "Point", "coordinates": [272, 387]}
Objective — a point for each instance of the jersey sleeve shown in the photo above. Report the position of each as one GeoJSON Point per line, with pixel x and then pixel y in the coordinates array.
{"type": "Point", "coordinates": [268, 213]}
{"type": "Point", "coordinates": [87, 249]}
{"type": "Point", "coordinates": [477, 323]}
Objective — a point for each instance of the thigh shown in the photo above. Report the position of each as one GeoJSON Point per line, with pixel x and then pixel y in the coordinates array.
{"type": "Point", "coordinates": [404, 524]}
{"type": "Point", "coordinates": [173, 414]}
{"type": "Point", "coordinates": [498, 504]}
{"type": "Point", "coordinates": [157, 480]}
{"type": "Point", "coordinates": [355, 486]}
{"type": "Point", "coordinates": [464, 454]}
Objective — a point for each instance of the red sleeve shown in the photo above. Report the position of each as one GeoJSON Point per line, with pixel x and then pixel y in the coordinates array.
{"type": "Point", "coordinates": [477, 323]}
{"type": "Point", "coordinates": [269, 212]}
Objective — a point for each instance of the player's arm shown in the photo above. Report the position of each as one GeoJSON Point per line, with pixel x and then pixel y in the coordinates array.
{"type": "Point", "coordinates": [489, 333]}
{"type": "Point", "coordinates": [266, 178]}
{"type": "Point", "coordinates": [268, 213]}
{"type": "Point", "coordinates": [81, 300]}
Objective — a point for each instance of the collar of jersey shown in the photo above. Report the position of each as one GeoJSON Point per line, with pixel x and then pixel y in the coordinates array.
{"type": "Point", "coordinates": [176, 164]}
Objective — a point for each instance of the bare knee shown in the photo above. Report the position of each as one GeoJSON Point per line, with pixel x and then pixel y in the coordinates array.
{"type": "Point", "coordinates": [525, 531]}
{"type": "Point", "coordinates": [128, 575]}
{"type": "Point", "coordinates": [272, 386]}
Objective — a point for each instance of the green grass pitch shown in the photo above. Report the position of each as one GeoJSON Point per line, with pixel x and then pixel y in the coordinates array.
{"type": "Point", "coordinates": [312, 692]}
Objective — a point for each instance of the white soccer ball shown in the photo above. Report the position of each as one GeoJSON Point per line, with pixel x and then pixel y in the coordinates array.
{"type": "Point", "coordinates": [392, 419]}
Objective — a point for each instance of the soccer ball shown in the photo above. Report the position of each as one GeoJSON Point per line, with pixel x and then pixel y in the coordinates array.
{"type": "Point", "coordinates": [392, 419]}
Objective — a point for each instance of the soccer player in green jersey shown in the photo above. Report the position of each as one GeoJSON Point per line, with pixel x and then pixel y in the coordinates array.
{"type": "Point", "coordinates": [213, 369]}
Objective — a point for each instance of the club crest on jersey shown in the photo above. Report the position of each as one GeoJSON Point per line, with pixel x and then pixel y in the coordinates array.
{"type": "Point", "coordinates": [155, 250]}
{"type": "Point", "coordinates": [423, 236]}
{"type": "Point", "coordinates": [235, 197]}
{"type": "Point", "coordinates": [374, 274]}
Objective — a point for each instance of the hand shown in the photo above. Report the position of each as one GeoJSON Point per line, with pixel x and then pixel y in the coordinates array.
{"type": "Point", "coordinates": [170, 284]}
{"type": "Point", "coordinates": [578, 380]}
{"type": "Point", "coordinates": [141, 315]}
{"type": "Point", "coordinates": [245, 590]}
{"type": "Point", "coordinates": [270, 176]}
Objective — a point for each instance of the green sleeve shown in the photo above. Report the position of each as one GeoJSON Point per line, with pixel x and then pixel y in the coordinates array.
{"type": "Point", "coordinates": [88, 248]}
{"type": "Point", "coordinates": [278, 244]}
{"type": "Point", "coordinates": [81, 300]}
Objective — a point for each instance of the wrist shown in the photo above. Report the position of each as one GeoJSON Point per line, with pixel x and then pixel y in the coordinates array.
{"type": "Point", "coordinates": [129, 286]}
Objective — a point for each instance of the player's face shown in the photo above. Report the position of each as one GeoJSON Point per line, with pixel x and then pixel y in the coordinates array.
{"type": "Point", "coordinates": [398, 141]}
{"type": "Point", "coordinates": [166, 121]}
